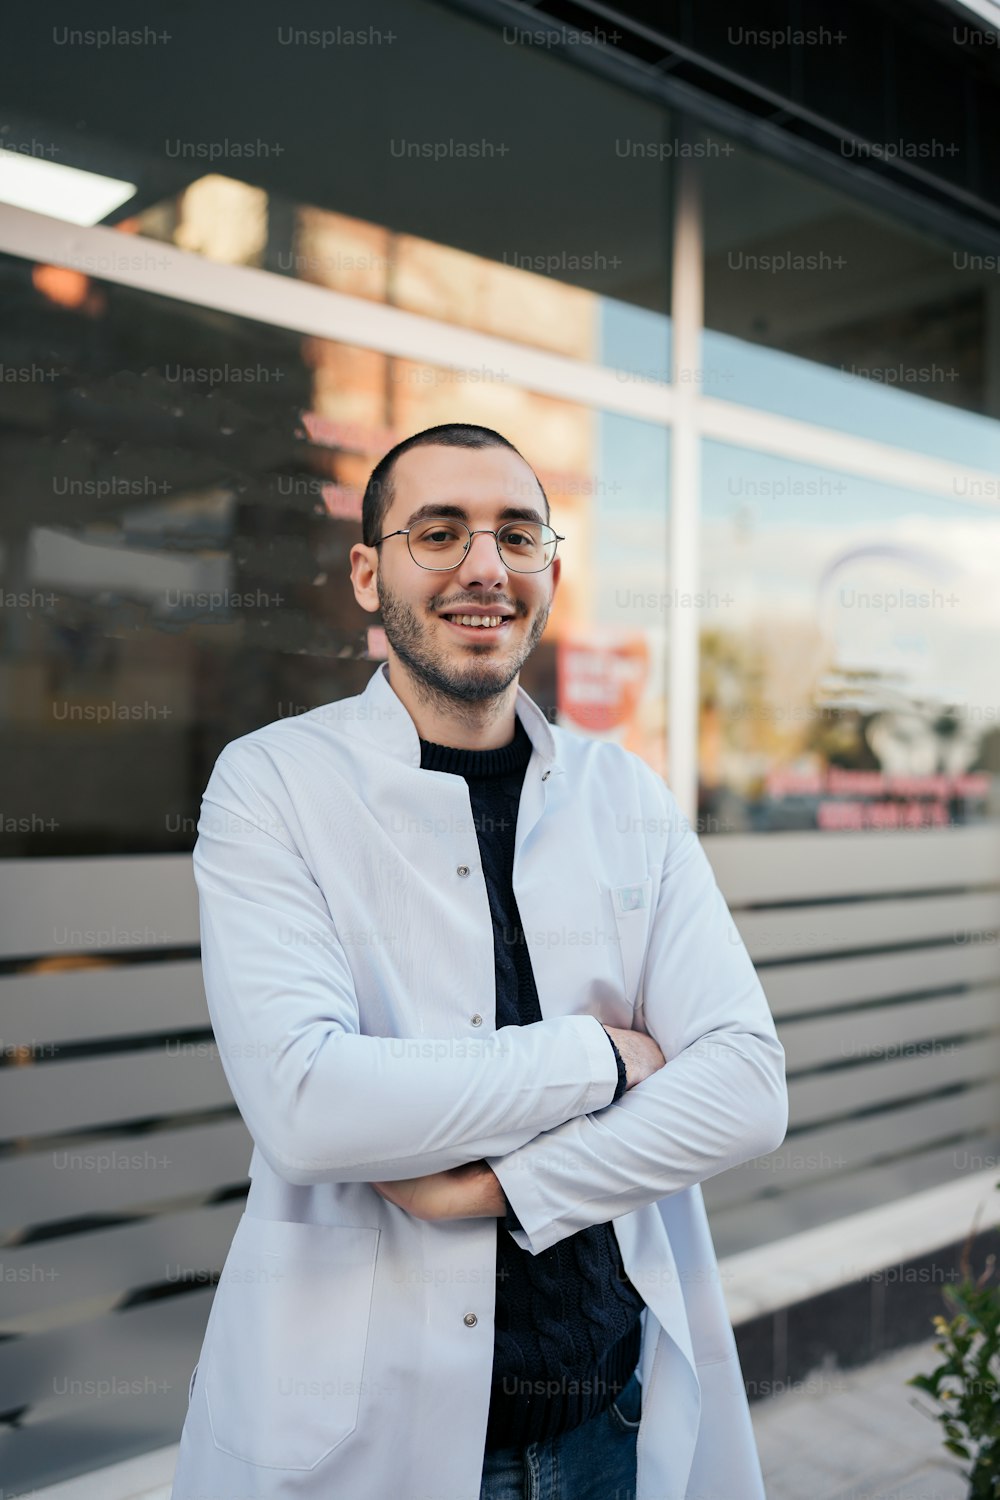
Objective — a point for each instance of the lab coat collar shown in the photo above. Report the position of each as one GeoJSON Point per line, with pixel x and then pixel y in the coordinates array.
{"type": "Point", "coordinates": [381, 718]}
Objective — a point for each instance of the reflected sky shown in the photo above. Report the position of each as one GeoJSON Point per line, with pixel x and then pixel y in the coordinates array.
{"type": "Point", "coordinates": [735, 370]}
{"type": "Point", "coordinates": [898, 583]}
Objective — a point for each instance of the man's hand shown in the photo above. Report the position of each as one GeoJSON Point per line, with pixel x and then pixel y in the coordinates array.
{"type": "Point", "coordinates": [471, 1191]}
{"type": "Point", "coordinates": [640, 1054]}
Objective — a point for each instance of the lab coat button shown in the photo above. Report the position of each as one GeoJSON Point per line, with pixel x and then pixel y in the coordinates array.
{"type": "Point", "coordinates": [470, 1320]}
{"type": "Point", "coordinates": [546, 775]}
{"type": "Point", "coordinates": [477, 1019]}
{"type": "Point", "coordinates": [463, 869]}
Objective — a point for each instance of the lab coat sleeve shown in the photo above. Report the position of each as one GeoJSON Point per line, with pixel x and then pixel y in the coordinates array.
{"type": "Point", "coordinates": [719, 1100]}
{"type": "Point", "coordinates": [323, 1102]}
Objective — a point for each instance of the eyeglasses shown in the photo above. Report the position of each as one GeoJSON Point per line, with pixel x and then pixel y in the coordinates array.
{"type": "Point", "coordinates": [439, 543]}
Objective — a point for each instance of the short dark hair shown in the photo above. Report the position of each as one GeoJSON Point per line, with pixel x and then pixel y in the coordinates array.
{"type": "Point", "coordinates": [378, 492]}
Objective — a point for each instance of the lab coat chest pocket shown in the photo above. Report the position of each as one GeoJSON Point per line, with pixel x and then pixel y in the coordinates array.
{"type": "Point", "coordinates": [631, 907]}
{"type": "Point", "coordinates": [286, 1346]}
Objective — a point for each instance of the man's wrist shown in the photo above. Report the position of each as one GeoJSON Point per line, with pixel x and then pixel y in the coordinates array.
{"type": "Point", "coordinates": [493, 1202]}
{"type": "Point", "coordinates": [622, 1071]}
{"type": "Point", "coordinates": [510, 1219]}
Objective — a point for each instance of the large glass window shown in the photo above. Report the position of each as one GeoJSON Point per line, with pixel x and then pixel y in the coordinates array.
{"type": "Point", "coordinates": [181, 495]}
{"type": "Point", "coordinates": [494, 185]}
{"type": "Point", "coordinates": [843, 679]}
{"type": "Point", "coordinates": [543, 299]}
{"type": "Point", "coordinates": [820, 308]}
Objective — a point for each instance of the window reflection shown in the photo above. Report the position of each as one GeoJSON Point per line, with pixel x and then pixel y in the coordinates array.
{"type": "Point", "coordinates": [182, 492]}
{"type": "Point", "coordinates": [821, 308]}
{"type": "Point", "coordinates": [529, 298]}
{"type": "Point", "coordinates": [843, 682]}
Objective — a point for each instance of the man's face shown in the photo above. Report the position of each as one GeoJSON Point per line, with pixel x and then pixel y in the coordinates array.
{"type": "Point", "coordinates": [471, 663]}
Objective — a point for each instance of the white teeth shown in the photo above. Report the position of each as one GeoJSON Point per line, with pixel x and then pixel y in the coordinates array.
{"type": "Point", "coordinates": [480, 621]}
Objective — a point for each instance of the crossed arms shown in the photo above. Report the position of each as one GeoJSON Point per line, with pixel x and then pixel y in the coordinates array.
{"type": "Point", "coordinates": [474, 1191]}
{"type": "Point", "coordinates": [309, 1085]}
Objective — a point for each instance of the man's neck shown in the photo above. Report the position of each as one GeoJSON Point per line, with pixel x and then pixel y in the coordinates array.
{"type": "Point", "coordinates": [487, 724]}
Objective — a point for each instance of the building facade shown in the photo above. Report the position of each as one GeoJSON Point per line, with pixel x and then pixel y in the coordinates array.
{"type": "Point", "coordinates": [733, 292]}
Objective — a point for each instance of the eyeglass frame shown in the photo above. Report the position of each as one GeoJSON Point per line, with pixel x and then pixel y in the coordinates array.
{"type": "Point", "coordinates": [482, 530]}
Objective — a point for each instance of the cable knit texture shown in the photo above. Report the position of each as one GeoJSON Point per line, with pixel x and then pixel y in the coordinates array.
{"type": "Point", "coordinates": [567, 1332]}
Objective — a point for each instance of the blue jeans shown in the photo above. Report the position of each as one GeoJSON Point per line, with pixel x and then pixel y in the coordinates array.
{"type": "Point", "coordinates": [595, 1461]}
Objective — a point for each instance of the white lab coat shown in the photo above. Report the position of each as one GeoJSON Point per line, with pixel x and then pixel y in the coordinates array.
{"type": "Point", "coordinates": [348, 958]}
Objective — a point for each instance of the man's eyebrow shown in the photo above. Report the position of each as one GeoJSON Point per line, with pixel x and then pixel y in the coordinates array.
{"type": "Point", "coordinates": [458, 512]}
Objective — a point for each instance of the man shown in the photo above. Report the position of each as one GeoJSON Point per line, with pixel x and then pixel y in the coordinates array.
{"type": "Point", "coordinates": [484, 1011]}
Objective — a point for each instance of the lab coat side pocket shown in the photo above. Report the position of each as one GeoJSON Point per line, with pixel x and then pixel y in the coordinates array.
{"type": "Point", "coordinates": [286, 1353]}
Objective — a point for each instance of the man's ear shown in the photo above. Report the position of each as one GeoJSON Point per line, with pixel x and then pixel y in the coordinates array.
{"type": "Point", "coordinates": [364, 570]}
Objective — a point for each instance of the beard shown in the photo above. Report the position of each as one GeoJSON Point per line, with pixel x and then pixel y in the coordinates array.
{"type": "Point", "coordinates": [439, 672]}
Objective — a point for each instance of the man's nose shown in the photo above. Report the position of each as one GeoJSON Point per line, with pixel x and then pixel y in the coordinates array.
{"type": "Point", "coordinates": [482, 563]}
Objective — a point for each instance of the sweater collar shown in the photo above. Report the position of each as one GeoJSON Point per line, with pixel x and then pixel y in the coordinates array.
{"type": "Point", "coordinates": [479, 765]}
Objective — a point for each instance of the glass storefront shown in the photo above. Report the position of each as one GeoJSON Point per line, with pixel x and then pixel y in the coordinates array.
{"type": "Point", "coordinates": [532, 298]}
{"type": "Point", "coordinates": [843, 681]}
{"type": "Point", "coordinates": [185, 487]}
{"type": "Point", "coordinates": [183, 494]}
{"type": "Point", "coordinates": [822, 309]}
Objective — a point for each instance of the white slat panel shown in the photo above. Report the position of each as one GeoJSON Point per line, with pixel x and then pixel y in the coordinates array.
{"type": "Point", "coordinates": [797, 988]}
{"type": "Point", "coordinates": [756, 869]}
{"type": "Point", "coordinates": [51, 1275]}
{"type": "Point", "coordinates": [92, 1091]}
{"type": "Point", "coordinates": [855, 1034]}
{"type": "Point", "coordinates": [843, 1091]}
{"type": "Point", "coordinates": [101, 904]}
{"type": "Point", "coordinates": [799, 932]}
{"type": "Point", "coordinates": [746, 1226]}
{"type": "Point", "coordinates": [93, 1177]}
{"type": "Point", "coordinates": [88, 1004]}
{"type": "Point", "coordinates": [59, 1373]}
{"type": "Point", "coordinates": [99, 1442]}
{"type": "Point", "coordinates": [829, 1151]}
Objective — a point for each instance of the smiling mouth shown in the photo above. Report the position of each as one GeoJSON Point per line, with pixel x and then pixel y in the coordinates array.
{"type": "Point", "coordinates": [491, 626]}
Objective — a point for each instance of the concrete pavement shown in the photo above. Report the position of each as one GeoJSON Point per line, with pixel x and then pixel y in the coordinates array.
{"type": "Point", "coordinates": [857, 1435]}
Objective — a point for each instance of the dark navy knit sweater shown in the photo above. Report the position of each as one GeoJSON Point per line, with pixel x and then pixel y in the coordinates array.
{"type": "Point", "coordinates": [567, 1332]}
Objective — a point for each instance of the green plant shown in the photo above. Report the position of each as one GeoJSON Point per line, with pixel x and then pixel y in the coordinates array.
{"type": "Point", "coordinates": [966, 1385]}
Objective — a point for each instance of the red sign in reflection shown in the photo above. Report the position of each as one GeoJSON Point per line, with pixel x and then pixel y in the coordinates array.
{"type": "Point", "coordinates": [599, 685]}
